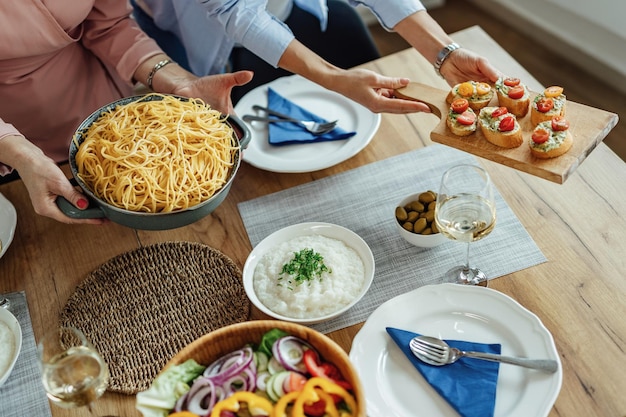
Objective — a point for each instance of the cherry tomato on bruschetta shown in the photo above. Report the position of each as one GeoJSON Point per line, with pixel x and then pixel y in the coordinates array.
{"type": "Point", "coordinates": [511, 82]}
{"type": "Point", "coordinates": [499, 112]}
{"type": "Point", "coordinates": [507, 124]}
{"type": "Point", "coordinates": [483, 88]}
{"type": "Point", "coordinates": [553, 91]}
{"type": "Point", "coordinates": [466, 89]}
{"type": "Point", "coordinates": [516, 92]}
{"type": "Point", "coordinates": [459, 105]}
{"type": "Point", "coordinates": [467, 118]}
{"type": "Point", "coordinates": [540, 136]}
{"type": "Point", "coordinates": [545, 104]}
{"type": "Point", "coordinates": [559, 123]}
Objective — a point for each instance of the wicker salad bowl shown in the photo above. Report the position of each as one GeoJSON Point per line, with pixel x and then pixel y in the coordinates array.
{"type": "Point", "coordinates": [214, 345]}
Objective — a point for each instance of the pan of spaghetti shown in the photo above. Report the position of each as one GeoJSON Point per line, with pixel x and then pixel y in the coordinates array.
{"type": "Point", "coordinates": [155, 162]}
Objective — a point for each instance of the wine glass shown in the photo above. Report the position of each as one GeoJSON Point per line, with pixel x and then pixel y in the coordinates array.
{"type": "Point", "coordinates": [73, 372]}
{"type": "Point", "coordinates": [465, 211]}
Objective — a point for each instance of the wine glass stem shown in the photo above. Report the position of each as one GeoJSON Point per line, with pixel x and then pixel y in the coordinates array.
{"type": "Point", "coordinates": [467, 257]}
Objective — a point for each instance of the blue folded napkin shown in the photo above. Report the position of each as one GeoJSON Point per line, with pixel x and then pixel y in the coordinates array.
{"type": "Point", "coordinates": [290, 133]}
{"type": "Point", "coordinates": [468, 385]}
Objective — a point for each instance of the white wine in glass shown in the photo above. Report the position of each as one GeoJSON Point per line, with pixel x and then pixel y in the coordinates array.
{"type": "Point", "coordinates": [465, 211]}
{"type": "Point", "coordinates": [73, 372]}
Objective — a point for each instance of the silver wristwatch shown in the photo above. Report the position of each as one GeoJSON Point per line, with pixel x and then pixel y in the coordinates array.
{"type": "Point", "coordinates": [443, 54]}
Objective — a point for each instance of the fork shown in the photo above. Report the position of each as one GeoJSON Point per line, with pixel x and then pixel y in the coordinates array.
{"type": "Point", "coordinates": [316, 128]}
{"type": "Point", "coordinates": [437, 352]}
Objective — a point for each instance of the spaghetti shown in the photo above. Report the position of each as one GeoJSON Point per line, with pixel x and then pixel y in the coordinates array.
{"type": "Point", "coordinates": [157, 155]}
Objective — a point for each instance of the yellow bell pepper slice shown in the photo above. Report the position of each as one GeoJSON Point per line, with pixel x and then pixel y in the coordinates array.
{"type": "Point", "coordinates": [256, 404]}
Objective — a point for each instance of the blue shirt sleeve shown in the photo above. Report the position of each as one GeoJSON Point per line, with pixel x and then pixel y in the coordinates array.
{"type": "Point", "coordinates": [390, 12]}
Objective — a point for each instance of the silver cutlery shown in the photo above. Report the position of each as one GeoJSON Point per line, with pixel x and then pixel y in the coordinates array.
{"type": "Point", "coordinates": [437, 352]}
{"type": "Point", "coordinates": [317, 128]}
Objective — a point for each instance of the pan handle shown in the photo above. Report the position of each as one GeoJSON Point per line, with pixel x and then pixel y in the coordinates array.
{"type": "Point", "coordinates": [93, 212]}
{"type": "Point", "coordinates": [241, 129]}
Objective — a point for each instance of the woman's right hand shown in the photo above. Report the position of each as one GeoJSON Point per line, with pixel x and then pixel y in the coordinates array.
{"type": "Point", "coordinates": [43, 179]}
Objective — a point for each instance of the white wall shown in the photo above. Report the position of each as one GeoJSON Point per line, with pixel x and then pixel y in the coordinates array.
{"type": "Point", "coordinates": [591, 32]}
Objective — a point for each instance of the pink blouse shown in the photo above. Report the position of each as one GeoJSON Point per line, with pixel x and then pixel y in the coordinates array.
{"type": "Point", "coordinates": [61, 60]}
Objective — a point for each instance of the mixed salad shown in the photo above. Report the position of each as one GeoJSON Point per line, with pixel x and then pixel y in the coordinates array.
{"type": "Point", "coordinates": [284, 376]}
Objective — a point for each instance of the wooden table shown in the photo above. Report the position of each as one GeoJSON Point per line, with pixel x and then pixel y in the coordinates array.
{"type": "Point", "coordinates": [579, 226]}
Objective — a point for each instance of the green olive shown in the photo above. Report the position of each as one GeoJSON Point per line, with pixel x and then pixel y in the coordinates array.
{"type": "Point", "coordinates": [408, 226]}
{"type": "Point", "coordinates": [429, 216]}
{"type": "Point", "coordinates": [419, 225]}
{"type": "Point", "coordinates": [427, 197]}
{"type": "Point", "coordinates": [401, 214]}
{"type": "Point", "coordinates": [413, 215]}
{"type": "Point", "coordinates": [434, 227]}
{"type": "Point", "coordinates": [432, 205]}
{"type": "Point", "coordinates": [415, 206]}
{"type": "Point", "coordinates": [427, 231]}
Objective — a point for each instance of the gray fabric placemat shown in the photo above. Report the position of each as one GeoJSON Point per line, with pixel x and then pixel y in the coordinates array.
{"type": "Point", "coordinates": [23, 394]}
{"type": "Point", "coordinates": [364, 199]}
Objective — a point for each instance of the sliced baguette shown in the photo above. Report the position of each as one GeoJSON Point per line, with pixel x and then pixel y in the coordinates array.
{"type": "Point", "coordinates": [476, 100]}
{"type": "Point", "coordinates": [490, 127]}
{"type": "Point", "coordinates": [537, 116]}
{"type": "Point", "coordinates": [458, 128]}
{"type": "Point", "coordinates": [519, 107]}
{"type": "Point", "coordinates": [558, 144]}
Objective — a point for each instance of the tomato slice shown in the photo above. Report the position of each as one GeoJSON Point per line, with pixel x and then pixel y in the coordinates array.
{"type": "Point", "coordinates": [499, 112]}
{"type": "Point", "coordinates": [545, 104]}
{"type": "Point", "coordinates": [466, 118]}
{"type": "Point", "coordinates": [327, 370]}
{"type": "Point", "coordinates": [559, 123]}
{"type": "Point", "coordinates": [459, 105]}
{"type": "Point", "coordinates": [540, 135]}
{"type": "Point", "coordinates": [295, 382]}
{"type": "Point", "coordinates": [466, 89]}
{"type": "Point", "coordinates": [507, 124]}
{"type": "Point", "coordinates": [316, 409]}
{"type": "Point", "coordinates": [511, 82]}
{"type": "Point", "coordinates": [483, 88]}
{"type": "Point", "coordinates": [553, 91]}
{"type": "Point", "coordinates": [516, 92]}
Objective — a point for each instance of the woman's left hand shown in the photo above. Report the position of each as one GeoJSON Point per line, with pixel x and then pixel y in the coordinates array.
{"type": "Point", "coordinates": [463, 65]}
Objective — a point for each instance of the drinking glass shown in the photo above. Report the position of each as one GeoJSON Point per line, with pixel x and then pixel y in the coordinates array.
{"type": "Point", "coordinates": [73, 372]}
{"type": "Point", "coordinates": [465, 211]}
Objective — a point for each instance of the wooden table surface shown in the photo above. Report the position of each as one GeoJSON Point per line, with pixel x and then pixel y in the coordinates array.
{"type": "Point", "coordinates": [579, 226]}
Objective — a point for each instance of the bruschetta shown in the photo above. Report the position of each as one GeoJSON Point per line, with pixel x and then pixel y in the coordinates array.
{"type": "Point", "coordinates": [513, 95]}
{"type": "Point", "coordinates": [551, 138]}
{"type": "Point", "coordinates": [461, 119]}
{"type": "Point", "coordinates": [476, 93]}
{"type": "Point", "coordinates": [547, 105]}
{"type": "Point", "coordinates": [500, 127]}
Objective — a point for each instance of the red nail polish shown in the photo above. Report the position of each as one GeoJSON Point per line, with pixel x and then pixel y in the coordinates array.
{"type": "Point", "coordinates": [81, 203]}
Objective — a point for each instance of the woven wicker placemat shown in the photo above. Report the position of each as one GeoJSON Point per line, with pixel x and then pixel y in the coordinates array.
{"type": "Point", "coordinates": [141, 307]}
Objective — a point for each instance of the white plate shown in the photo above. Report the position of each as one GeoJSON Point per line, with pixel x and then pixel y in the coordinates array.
{"type": "Point", "coordinates": [311, 156]}
{"type": "Point", "coordinates": [8, 221]}
{"type": "Point", "coordinates": [329, 230]}
{"type": "Point", "coordinates": [394, 388]}
{"type": "Point", "coordinates": [14, 326]}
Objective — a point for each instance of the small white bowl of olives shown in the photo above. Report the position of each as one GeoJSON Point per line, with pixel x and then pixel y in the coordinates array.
{"type": "Point", "coordinates": [415, 220]}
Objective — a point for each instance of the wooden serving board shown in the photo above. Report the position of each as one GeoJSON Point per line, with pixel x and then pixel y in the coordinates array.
{"type": "Point", "coordinates": [588, 125]}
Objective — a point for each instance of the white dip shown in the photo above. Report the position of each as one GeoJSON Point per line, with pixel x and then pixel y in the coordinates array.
{"type": "Point", "coordinates": [323, 294]}
{"type": "Point", "coordinates": [7, 347]}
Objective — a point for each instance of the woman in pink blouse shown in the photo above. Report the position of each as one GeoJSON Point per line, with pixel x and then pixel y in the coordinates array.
{"type": "Point", "coordinates": [60, 61]}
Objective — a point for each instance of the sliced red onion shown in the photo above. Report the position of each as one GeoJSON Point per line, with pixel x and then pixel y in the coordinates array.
{"type": "Point", "coordinates": [202, 399]}
{"type": "Point", "coordinates": [288, 351]}
{"type": "Point", "coordinates": [230, 365]}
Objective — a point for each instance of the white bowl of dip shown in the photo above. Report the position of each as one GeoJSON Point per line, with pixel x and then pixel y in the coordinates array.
{"type": "Point", "coordinates": [349, 273]}
{"type": "Point", "coordinates": [10, 343]}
